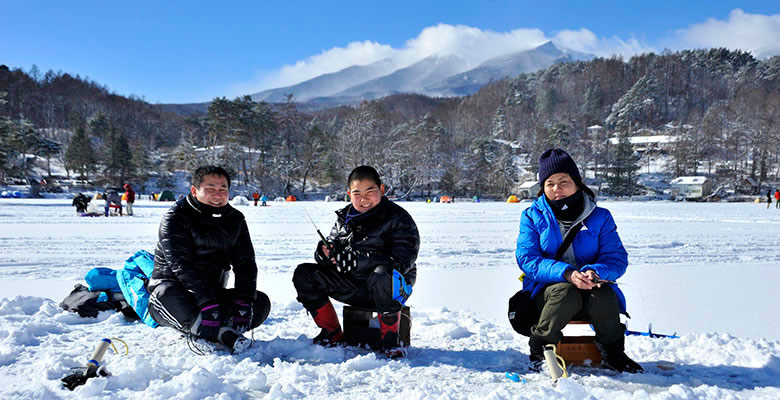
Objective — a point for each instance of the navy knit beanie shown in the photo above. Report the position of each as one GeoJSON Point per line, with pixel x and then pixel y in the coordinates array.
{"type": "Point", "coordinates": [554, 161]}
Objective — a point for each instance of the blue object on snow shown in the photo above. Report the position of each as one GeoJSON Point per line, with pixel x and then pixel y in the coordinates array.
{"type": "Point", "coordinates": [401, 289]}
{"type": "Point", "coordinates": [513, 376]}
{"type": "Point", "coordinates": [102, 297]}
{"type": "Point", "coordinates": [17, 195]}
{"type": "Point", "coordinates": [652, 334]}
{"type": "Point", "coordinates": [102, 279]}
{"type": "Point", "coordinates": [132, 281]}
{"type": "Point", "coordinates": [142, 262]}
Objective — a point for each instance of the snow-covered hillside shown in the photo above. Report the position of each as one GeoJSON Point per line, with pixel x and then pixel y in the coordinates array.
{"type": "Point", "coordinates": [707, 271]}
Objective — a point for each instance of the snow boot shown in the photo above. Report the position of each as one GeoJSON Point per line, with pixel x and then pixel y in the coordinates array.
{"type": "Point", "coordinates": [389, 324]}
{"type": "Point", "coordinates": [536, 354]}
{"type": "Point", "coordinates": [236, 342]}
{"type": "Point", "coordinates": [331, 334]}
{"type": "Point", "coordinates": [615, 358]}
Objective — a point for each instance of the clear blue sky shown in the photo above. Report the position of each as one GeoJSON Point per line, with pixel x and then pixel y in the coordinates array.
{"type": "Point", "coordinates": [192, 51]}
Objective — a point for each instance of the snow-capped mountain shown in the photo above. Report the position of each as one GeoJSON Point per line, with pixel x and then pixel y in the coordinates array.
{"type": "Point", "coordinates": [500, 67]}
{"type": "Point", "coordinates": [411, 79]}
{"type": "Point", "coordinates": [328, 84]}
{"type": "Point", "coordinates": [437, 75]}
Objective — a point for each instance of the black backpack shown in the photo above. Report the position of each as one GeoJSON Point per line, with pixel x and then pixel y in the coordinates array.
{"type": "Point", "coordinates": [89, 304]}
{"type": "Point", "coordinates": [523, 313]}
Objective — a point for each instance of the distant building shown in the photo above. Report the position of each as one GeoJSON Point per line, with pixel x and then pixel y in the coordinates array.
{"type": "Point", "coordinates": [746, 185]}
{"type": "Point", "coordinates": [691, 186]}
{"type": "Point", "coordinates": [528, 189]}
{"type": "Point", "coordinates": [648, 143]}
{"type": "Point", "coordinates": [595, 130]}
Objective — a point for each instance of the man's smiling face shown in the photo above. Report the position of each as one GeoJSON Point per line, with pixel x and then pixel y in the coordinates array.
{"type": "Point", "coordinates": [213, 191]}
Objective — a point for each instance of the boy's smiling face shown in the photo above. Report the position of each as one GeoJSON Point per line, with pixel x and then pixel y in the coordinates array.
{"type": "Point", "coordinates": [365, 194]}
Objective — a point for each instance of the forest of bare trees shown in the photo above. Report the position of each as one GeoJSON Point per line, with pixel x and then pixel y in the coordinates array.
{"type": "Point", "coordinates": [723, 106]}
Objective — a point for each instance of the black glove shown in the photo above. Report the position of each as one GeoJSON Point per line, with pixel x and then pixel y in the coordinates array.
{"type": "Point", "coordinates": [319, 255]}
{"type": "Point", "coordinates": [240, 315]}
{"type": "Point", "coordinates": [346, 258]}
{"type": "Point", "coordinates": [207, 323]}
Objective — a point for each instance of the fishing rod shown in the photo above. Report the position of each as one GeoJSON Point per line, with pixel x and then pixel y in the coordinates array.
{"type": "Point", "coordinates": [318, 229]}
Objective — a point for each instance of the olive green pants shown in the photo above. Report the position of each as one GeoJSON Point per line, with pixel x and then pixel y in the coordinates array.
{"type": "Point", "coordinates": [559, 303]}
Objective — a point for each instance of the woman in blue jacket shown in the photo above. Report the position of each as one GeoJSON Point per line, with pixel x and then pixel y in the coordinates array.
{"type": "Point", "coordinates": [572, 283]}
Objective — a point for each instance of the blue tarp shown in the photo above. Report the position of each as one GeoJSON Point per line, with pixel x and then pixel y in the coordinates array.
{"type": "Point", "coordinates": [102, 279]}
{"type": "Point", "coordinates": [131, 281]}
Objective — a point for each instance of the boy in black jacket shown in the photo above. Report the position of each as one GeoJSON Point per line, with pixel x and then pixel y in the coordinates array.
{"type": "Point", "coordinates": [201, 237]}
{"type": "Point", "coordinates": [368, 260]}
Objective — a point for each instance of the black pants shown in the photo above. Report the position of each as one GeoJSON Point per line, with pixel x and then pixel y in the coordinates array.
{"type": "Point", "coordinates": [315, 283]}
{"type": "Point", "coordinates": [170, 304]}
{"type": "Point", "coordinates": [560, 303]}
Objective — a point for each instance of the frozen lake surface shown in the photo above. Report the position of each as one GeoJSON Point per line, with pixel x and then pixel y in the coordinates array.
{"type": "Point", "coordinates": [709, 272]}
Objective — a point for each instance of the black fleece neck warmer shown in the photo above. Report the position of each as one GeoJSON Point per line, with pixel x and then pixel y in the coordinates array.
{"type": "Point", "coordinates": [568, 209]}
{"type": "Point", "coordinates": [207, 209]}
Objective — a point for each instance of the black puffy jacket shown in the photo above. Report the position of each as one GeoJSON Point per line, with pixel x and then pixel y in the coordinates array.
{"type": "Point", "coordinates": [384, 237]}
{"type": "Point", "coordinates": [198, 244]}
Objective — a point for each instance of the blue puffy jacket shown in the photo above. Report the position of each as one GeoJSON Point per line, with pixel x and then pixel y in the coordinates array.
{"type": "Point", "coordinates": [597, 246]}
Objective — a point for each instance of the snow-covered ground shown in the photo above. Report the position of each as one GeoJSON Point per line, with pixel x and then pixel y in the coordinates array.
{"type": "Point", "coordinates": [706, 271]}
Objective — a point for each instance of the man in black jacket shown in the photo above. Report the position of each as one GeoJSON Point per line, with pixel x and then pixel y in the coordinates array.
{"type": "Point", "coordinates": [200, 238]}
{"type": "Point", "coordinates": [368, 260]}
{"type": "Point", "coordinates": [81, 201]}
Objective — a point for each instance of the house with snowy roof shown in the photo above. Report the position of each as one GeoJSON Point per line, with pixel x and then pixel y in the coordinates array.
{"type": "Point", "coordinates": [747, 185]}
{"type": "Point", "coordinates": [646, 143]}
{"type": "Point", "coordinates": [528, 189]}
{"type": "Point", "coordinates": [690, 186]}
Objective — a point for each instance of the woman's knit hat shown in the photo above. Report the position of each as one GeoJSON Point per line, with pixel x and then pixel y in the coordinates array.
{"type": "Point", "coordinates": [554, 161]}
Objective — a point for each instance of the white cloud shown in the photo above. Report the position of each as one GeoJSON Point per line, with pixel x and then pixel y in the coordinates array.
{"type": "Point", "coordinates": [759, 34]}
{"type": "Point", "coordinates": [335, 59]}
{"type": "Point", "coordinates": [752, 32]}
{"type": "Point", "coordinates": [475, 44]}
{"type": "Point", "coordinates": [586, 41]}
{"type": "Point", "coordinates": [472, 43]}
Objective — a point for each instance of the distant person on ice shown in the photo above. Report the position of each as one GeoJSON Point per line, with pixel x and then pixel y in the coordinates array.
{"type": "Point", "coordinates": [113, 197]}
{"type": "Point", "coordinates": [777, 198]}
{"type": "Point", "coordinates": [368, 261]}
{"type": "Point", "coordinates": [201, 238]}
{"type": "Point", "coordinates": [81, 201]}
{"type": "Point", "coordinates": [256, 197]}
{"type": "Point", "coordinates": [768, 198]}
{"type": "Point", "coordinates": [567, 287]}
{"type": "Point", "coordinates": [130, 195]}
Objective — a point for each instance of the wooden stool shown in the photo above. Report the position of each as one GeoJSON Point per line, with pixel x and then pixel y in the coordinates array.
{"type": "Point", "coordinates": [361, 327]}
{"type": "Point", "coordinates": [576, 349]}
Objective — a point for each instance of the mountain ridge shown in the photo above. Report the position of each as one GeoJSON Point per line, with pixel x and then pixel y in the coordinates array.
{"type": "Point", "coordinates": [447, 75]}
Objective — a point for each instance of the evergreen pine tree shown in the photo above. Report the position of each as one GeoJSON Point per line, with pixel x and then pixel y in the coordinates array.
{"type": "Point", "coordinates": [623, 168]}
{"type": "Point", "coordinates": [80, 155]}
{"type": "Point", "coordinates": [119, 158]}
